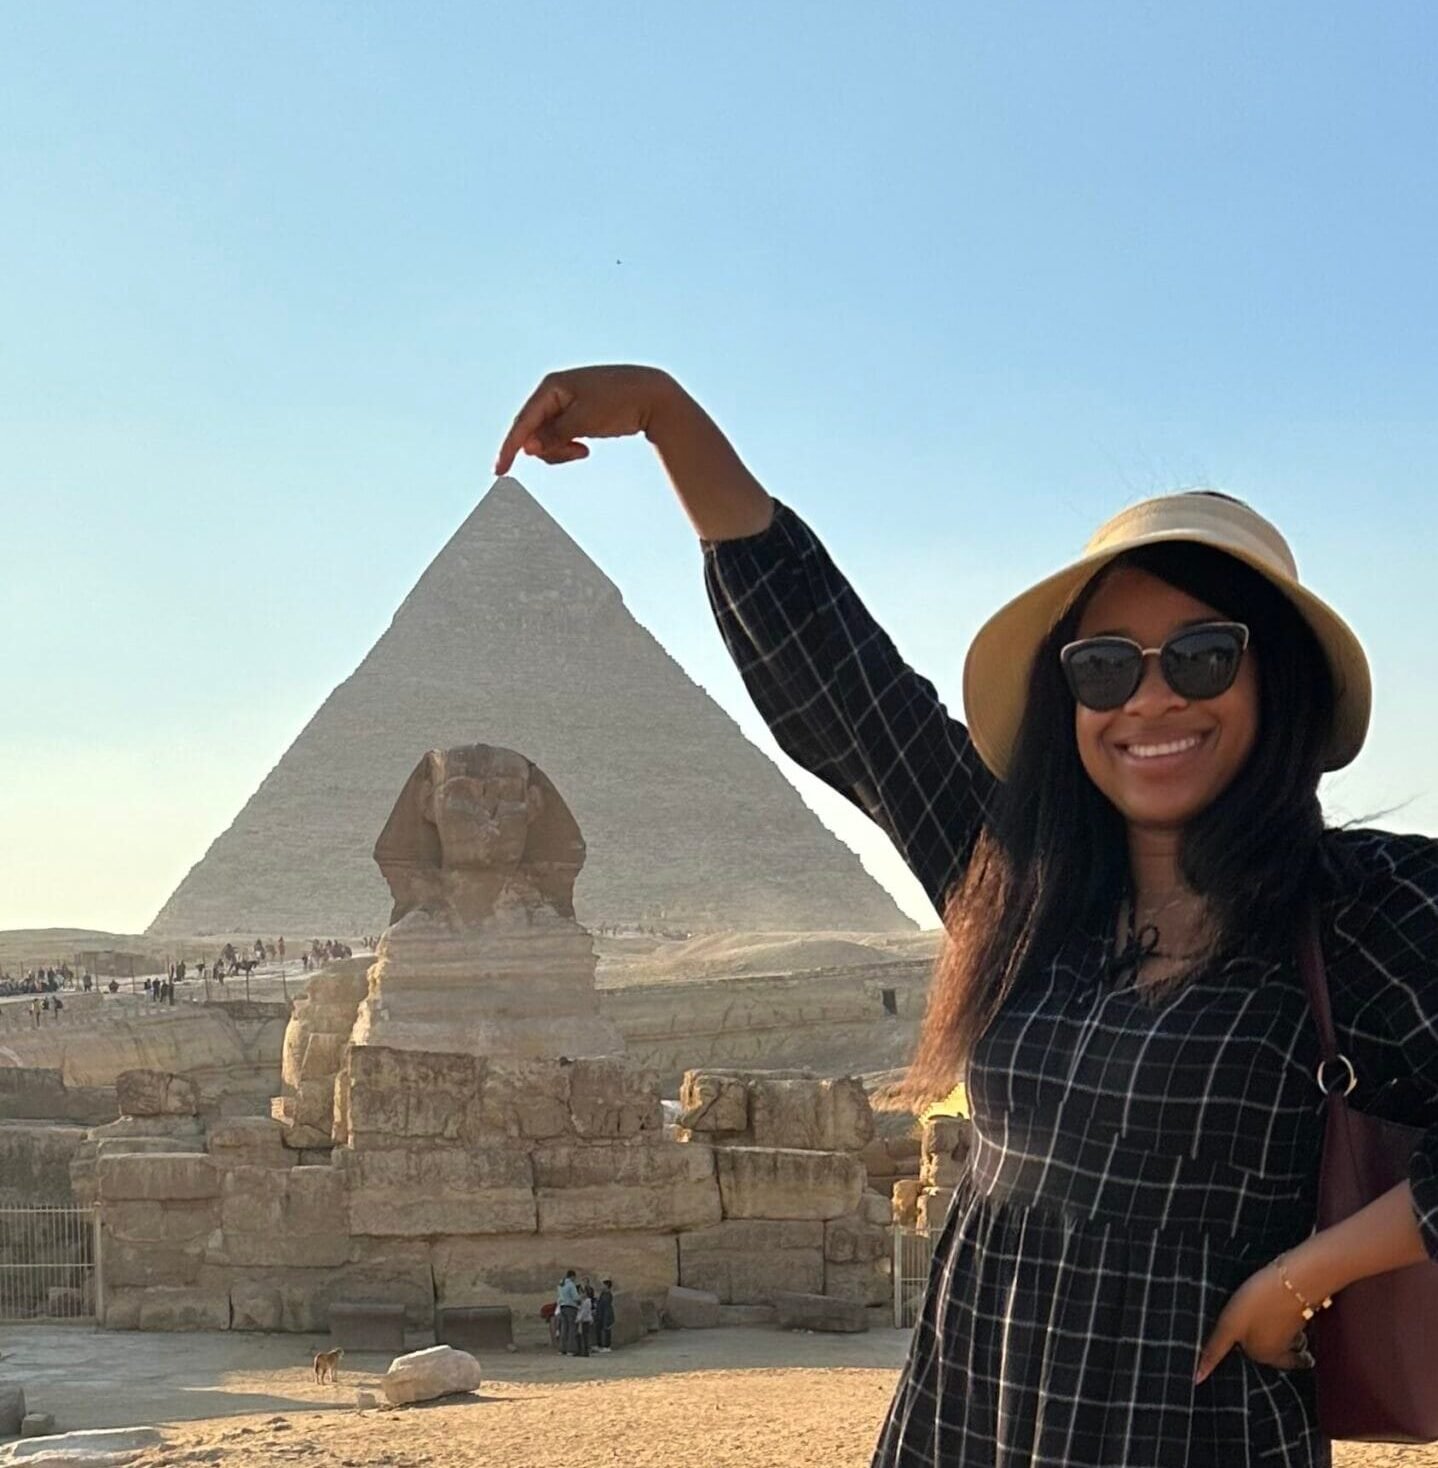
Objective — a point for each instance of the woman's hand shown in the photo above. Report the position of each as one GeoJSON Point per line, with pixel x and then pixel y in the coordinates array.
{"type": "Point", "coordinates": [584, 402]}
{"type": "Point", "coordinates": [1264, 1321]}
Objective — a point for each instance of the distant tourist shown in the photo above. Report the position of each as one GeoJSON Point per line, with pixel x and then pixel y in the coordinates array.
{"type": "Point", "coordinates": [584, 1323]}
{"type": "Point", "coordinates": [604, 1317]}
{"type": "Point", "coordinates": [567, 1298]}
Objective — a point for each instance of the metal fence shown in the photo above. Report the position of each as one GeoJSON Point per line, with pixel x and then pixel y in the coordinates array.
{"type": "Point", "coordinates": [913, 1253]}
{"type": "Point", "coordinates": [49, 1264]}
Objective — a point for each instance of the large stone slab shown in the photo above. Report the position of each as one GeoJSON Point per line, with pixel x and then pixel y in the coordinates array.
{"type": "Point", "coordinates": [864, 1281]}
{"type": "Point", "coordinates": [830, 1115]}
{"type": "Point", "coordinates": [161, 1177]}
{"type": "Point", "coordinates": [408, 1096]}
{"type": "Point", "coordinates": [283, 1216]}
{"type": "Point", "coordinates": [249, 1141]}
{"type": "Point", "coordinates": [426, 1194]}
{"type": "Point", "coordinates": [170, 1309]}
{"type": "Point", "coordinates": [155, 1093]}
{"type": "Point", "coordinates": [387, 1098]}
{"type": "Point", "coordinates": [794, 1311]}
{"type": "Point", "coordinates": [421, 1376]}
{"type": "Point", "coordinates": [853, 1238]}
{"type": "Point", "coordinates": [396, 1271]}
{"type": "Point", "coordinates": [610, 1097]}
{"type": "Point", "coordinates": [688, 1309]}
{"type": "Point", "coordinates": [767, 1182]}
{"type": "Point", "coordinates": [713, 1102]}
{"type": "Point", "coordinates": [659, 1186]}
{"type": "Point", "coordinates": [744, 1260]}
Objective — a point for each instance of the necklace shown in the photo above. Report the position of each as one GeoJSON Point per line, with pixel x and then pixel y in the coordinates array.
{"type": "Point", "coordinates": [1141, 943]}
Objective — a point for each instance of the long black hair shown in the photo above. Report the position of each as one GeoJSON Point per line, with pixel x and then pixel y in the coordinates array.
{"type": "Point", "coordinates": [1053, 854]}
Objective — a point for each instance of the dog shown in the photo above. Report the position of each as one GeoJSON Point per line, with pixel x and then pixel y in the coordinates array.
{"type": "Point", "coordinates": [327, 1365]}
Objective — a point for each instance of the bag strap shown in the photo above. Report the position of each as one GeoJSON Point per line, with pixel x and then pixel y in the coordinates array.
{"type": "Point", "coordinates": [1315, 980]}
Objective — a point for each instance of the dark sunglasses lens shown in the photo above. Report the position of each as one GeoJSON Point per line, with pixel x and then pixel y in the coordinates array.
{"type": "Point", "coordinates": [1203, 663]}
{"type": "Point", "coordinates": [1103, 674]}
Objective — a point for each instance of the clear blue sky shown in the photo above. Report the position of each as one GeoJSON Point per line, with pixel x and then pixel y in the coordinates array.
{"type": "Point", "coordinates": [960, 280]}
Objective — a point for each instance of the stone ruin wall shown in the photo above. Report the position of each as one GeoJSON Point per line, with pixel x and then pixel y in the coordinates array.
{"type": "Point", "coordinates": [230, 1048]}
{"type": "Point", "coordinates": [474, 1181]}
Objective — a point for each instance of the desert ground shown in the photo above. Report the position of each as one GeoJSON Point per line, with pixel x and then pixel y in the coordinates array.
{"type": "Point", "coordinates": [732, 1398]}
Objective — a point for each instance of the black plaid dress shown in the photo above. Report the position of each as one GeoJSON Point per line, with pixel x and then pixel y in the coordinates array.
{"type": "Point", "coordinates": [1133, 1161]}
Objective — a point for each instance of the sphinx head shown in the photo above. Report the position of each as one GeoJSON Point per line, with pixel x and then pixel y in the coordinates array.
{"type": "Point", "coordinates": [473, 823]}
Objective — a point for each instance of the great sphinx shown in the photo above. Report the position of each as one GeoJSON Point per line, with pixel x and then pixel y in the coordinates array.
{"type": "Point", "coordinates": [483, 954]}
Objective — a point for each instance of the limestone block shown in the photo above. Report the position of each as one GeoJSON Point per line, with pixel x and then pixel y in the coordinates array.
{"type": "Point", "coordinates": [132, 1264]}
{"type": "Point", "coordinates": [629, 1326]}
{"type": "Point", "coordinates": [176, 1128]}
{"type": "Point", "coordinates": [794, 1311]}
{"type": "Point", "coordinates": [831, 1115]}
{"type": "Point", "coordinates": [658, 1186]}
{"type": "Point", "coordinates": [877, 1208]}
{"type": "Point", "coordinates": [407, 1095]}
{"type": "Point", "coordinates": [395, 1271]}
{"type": "Point", "coordinates": [249, 1141]}
{"type": "Point", "coordinates": [863, 1281]}
{"type": "Point", "coordinates": [772, 1182]}
{"type": "Point", "coordinates": [12, 1408]}
{"type": "Point", "coordinates": [427, 1193]}
{"type": "Point", "coordinates": [853, 1238]}
{"type": "Point", "coordinates": [944, 1134]}
{"type": "Point", "coordinates": [37, 1424]}
{"type": "Point", "coordinates": [691, 1309]}
{"type": "Point", "coordinates": [255, 1306]}
{"type": "Point", "coordinates": [171, 1222]}
{"type": "Point", "coordinates": [945, 1157]}
{"type": "Point", "coordinates": [421, 1376]}
{"type": "Point", "coordinates": [161, 1177]}
{"type": "Point", "coordinates": [166, 1308]}
{"type": "Point", "coordinates": [744, 1260]}
{"type": "Point", "coordinates": [523, 1271]}
{"type": "Point", "coordinates": [712, 1102]}
{"type": "Point", "coordinates": [122, 1307]}
{"type": "Point", "coordinates": [906, 1201]}
{"type": "Point", "coordinates": [155, 1093]}
{"type": "Point", "coordinates": [933, 1208]}
{"type": "Point", "coordinates": [610, 1097]}
{"type": "Point", "coordinates": [521, 1098]}
{"type": "Point", "coordinates": [283, 1216]}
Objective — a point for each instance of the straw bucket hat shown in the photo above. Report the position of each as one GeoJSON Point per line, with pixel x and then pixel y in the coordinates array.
{"type": "Point", "coordinates": [1000, 658]}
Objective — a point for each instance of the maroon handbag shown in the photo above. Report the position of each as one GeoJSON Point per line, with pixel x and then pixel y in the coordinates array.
{"type": "Point", "coordinates": [1376, 1346]}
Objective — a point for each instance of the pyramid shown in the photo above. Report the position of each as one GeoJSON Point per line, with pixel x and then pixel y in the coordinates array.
{"type": "Point", "coordinates": [514, 637]}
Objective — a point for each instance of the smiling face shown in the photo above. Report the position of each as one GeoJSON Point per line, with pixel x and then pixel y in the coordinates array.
{"type": "Point", "coordinates": [1160, 758]}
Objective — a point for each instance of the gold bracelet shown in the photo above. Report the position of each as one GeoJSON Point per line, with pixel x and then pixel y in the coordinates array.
{"type": "Point", "coordinates": [1309, 1311]}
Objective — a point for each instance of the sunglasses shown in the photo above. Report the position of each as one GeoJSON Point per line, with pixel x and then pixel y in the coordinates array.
{"type": "Point", "coordinates": [1199, 662]}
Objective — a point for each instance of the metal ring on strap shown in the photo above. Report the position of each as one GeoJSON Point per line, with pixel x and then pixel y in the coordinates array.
{"type": "Point", "coordinates": [1352, 1075]}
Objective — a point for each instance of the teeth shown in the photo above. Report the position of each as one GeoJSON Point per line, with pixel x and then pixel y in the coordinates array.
{"type": "Point", "coordinates": [1174, 746]}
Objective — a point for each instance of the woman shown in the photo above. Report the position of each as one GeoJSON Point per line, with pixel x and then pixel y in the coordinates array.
{"type": "Point", "coordinates": [1126, 845]}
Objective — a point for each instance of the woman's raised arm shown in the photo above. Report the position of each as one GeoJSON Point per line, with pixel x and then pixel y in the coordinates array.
{"type": "Point", "coordinates": [830, 684]}
{"type": "Point", "coordinates": [720, 496]}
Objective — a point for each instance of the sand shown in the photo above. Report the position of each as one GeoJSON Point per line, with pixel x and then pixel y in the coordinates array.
{"type": "Point", "coordinates": [733, 1398]}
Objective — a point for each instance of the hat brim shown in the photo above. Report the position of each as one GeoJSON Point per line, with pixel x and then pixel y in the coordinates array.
{"type": "Point", "coordinates": [1000, 658]}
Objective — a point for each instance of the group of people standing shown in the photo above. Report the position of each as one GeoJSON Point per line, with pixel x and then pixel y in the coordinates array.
{"type": "Point", "coordinates": [581, 1319]}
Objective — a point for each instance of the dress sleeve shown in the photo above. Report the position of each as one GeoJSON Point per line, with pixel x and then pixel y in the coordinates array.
{"type": "Point", "coordinates": [840, 700]}
{"type": "Point", "coordinates": [1392, 1024]}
